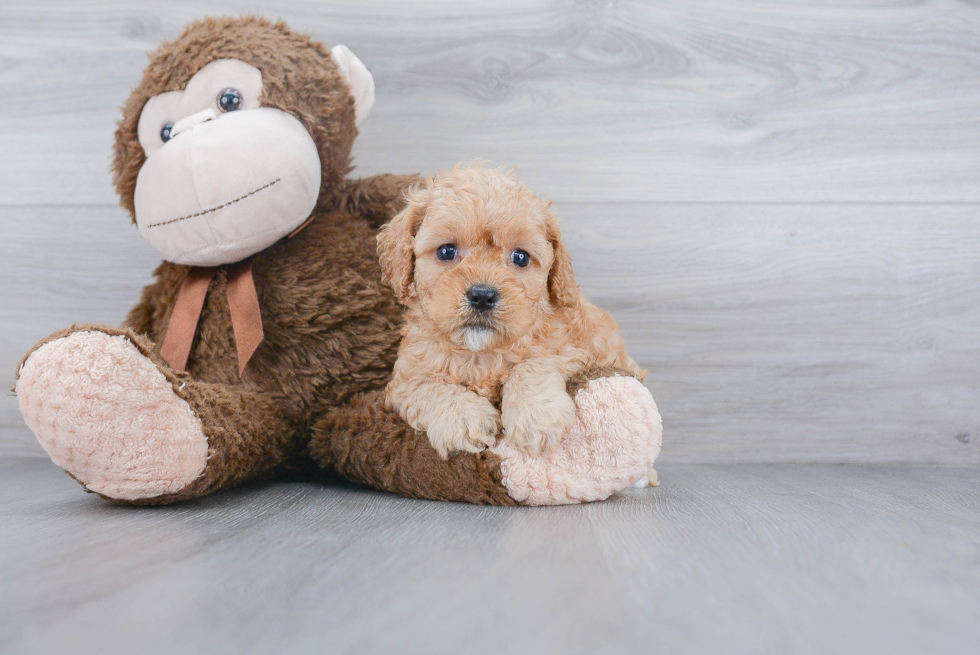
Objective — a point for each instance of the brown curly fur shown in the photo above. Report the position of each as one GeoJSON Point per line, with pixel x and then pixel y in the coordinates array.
{"type": "Point", "coordinates": [366, 443]}
{"type": "Point", "coordinates": [331, 327]}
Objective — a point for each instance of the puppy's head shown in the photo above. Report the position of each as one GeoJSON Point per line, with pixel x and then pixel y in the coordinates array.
{"type": "Point", "coordinates": [479, 256]}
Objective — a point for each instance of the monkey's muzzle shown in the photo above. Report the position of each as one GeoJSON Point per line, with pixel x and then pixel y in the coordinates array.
{"type": "Point", "coordinates": [227, 188]}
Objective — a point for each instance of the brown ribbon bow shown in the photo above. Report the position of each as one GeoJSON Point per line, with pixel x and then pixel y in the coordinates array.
{"type": "Point", "coordinates": [243, 302]}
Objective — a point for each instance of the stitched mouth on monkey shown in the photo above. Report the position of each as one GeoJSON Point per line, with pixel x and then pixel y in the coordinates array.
{"type": "Point", "coordinates": [217, 207]}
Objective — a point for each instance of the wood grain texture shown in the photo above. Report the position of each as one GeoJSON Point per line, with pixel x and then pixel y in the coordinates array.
{"type": "Point", "coordinates": [733, 559]}
{"type": "Point", "coordinates": [684, 100]}
{"type": "Point", "coordinates": [775, 331]}
{"type": "Point", "coordinates": [772, 332]}
{"type": "Point", "coordinates": [796, 332]}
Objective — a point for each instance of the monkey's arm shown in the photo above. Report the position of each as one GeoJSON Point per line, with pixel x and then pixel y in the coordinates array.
{"type": "Point", "coordinates": [613, 444]}
{"type": "Point", "coordinates": [377, 199]}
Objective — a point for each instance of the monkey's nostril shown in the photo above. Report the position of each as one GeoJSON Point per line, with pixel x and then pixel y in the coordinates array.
{"type": "Point", "coordinates": [482, 297]}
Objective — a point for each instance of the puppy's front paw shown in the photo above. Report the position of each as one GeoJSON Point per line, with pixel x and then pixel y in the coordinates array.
{"type": "Point", "coordinates": [470, 425]}
{"type": "Point", "coordinates": [537, 421]}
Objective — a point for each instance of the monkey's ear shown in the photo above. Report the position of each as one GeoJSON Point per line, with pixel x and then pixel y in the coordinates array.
{"type": "Point", "coordinates": [396, 245]}
{"type": "Point", "coordinates": [358, 78]}
{"type": "Point", "coordinates": [562, 288]}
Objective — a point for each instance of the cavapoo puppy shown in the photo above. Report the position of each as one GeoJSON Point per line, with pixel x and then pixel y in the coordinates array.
{"type": "Point", "coordinates": [495, 317]}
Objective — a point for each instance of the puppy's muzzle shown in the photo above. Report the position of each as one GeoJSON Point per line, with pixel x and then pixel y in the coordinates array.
{"type": "Point", "coordinates": [482, 297]}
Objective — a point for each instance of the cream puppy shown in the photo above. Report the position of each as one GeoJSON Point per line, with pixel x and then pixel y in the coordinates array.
{"type": "Point", "coordinates": [495, 318]}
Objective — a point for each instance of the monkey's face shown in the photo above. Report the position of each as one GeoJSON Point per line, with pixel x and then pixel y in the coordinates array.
{"type": "Point", "coordinates": [224, 177]}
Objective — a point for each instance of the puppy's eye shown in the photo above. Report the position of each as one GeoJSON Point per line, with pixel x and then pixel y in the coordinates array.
{"type": "Point", "coordinates": [446, 252]}
{"type": "Point", "coordinates": [165, 132]}
{"type": "Point", "coordinates": [230, 100]}
{"type": "Point", "coordinates": [520, 258]}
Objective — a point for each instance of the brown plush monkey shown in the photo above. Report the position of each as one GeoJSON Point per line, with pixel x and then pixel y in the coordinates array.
{"type": "Point", "coordinates": [267, 336]}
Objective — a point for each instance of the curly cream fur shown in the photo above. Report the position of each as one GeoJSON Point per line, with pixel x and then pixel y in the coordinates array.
{"type": "Point", "coordinates": [456, 366]}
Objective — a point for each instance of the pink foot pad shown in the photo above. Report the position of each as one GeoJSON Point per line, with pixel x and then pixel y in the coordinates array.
{"type": "Point", "coordinates": [106, 414]}
{"type": "Point", "coordinates": [613, 444]}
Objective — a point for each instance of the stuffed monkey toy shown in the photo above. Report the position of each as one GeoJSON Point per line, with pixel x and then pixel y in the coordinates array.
{"type": "Point", "coordinates": [264, 343]}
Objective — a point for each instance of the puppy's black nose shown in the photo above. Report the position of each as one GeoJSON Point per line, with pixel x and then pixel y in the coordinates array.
{"type": "Point", "coordinates": [482, 297]}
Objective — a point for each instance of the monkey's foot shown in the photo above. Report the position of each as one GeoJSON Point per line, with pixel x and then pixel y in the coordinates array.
{"type": "Point", "coordinates": [108, 415]}
{"type": "Point", "coordinates": [614, 442]}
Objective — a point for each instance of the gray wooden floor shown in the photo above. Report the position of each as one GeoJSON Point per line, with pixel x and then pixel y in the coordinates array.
{"type": "Point", "coordinates": [780, 203]}
{"type": "Point", "coordinates": [719, 559]}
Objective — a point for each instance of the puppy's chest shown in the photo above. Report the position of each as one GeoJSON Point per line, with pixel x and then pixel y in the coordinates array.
{"type": "Point", "coordinates": [484, 377]}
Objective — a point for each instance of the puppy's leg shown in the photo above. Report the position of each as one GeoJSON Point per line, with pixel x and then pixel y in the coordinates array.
{"type": "Point", "coordinates": [535, 408]}
{"type": "Point", "coordinates": [453, 417]}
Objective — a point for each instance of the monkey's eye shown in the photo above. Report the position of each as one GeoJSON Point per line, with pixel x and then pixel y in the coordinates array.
{"type": "Point", "coordinates": [520, 258]}
{"type": "Point", "coordinates": [165, 132]}
{"type": "Point", "coordinates": [446, 252]}
{"type": "Point", "coordinates": [230, 100]}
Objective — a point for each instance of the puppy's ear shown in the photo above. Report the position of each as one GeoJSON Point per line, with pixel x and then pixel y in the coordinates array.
{"type": "Point", "coordinates": [561, 280]}
{"type": "Point", "coordinates": [396, 243]}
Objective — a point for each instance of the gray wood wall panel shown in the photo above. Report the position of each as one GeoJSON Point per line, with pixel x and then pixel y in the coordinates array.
{"type": "Point", "coordinates": [777, 199]}
{"type": "Point", "coordinates": [643, 101]}
{"type": "Point", "coordinates": [796, 332]}
{"type": "Point", "coordinates": [772, 332]}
